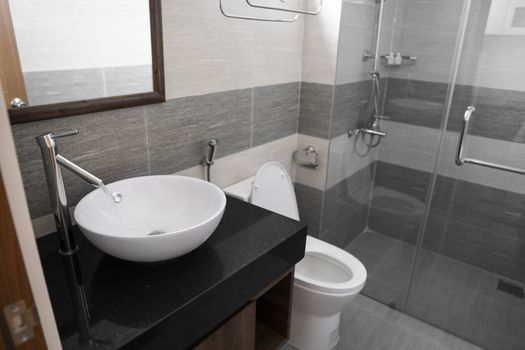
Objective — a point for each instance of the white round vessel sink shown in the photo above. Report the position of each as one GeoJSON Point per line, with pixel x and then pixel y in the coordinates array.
{"type": "Point", "coordinates": [158, 218]}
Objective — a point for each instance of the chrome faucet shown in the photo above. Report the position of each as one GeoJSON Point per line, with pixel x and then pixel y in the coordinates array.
{"type": "Point", "coordinates": [68, 248]}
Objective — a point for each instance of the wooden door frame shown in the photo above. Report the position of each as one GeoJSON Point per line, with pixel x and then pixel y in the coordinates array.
{"type": "Point", "coordinates": [10, 66]}
{"type": "Point", "coordinates": [28, 269]}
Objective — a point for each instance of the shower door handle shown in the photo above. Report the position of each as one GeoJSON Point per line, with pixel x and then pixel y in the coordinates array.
{"type": "Point", "coordinates": [464, 127]}
{"type": "Point", "coordinates": [460, 159]}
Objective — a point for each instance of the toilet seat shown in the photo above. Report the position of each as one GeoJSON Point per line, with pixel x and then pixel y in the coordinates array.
{"type": "Point", "coordinates": [324, 268]}
{"type": "Point", "coordinates": [272, 189]}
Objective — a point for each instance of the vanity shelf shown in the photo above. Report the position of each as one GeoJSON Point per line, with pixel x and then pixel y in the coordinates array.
{"type": "Point", "coordinates": [263, 324]}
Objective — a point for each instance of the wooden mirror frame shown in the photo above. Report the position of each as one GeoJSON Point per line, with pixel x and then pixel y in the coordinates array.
{"type": "Point", "coordinates": [64, 109]}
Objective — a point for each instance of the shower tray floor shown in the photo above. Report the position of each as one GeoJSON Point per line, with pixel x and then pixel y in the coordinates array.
{"type": "Point", "coordinates": [454, 296]}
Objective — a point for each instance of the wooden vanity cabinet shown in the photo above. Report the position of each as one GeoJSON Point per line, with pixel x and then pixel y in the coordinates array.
{"type": "Point", "coordinates": [263, 324]}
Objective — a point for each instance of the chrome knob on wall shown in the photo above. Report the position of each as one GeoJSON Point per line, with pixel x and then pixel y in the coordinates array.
{"type": "Point", "coordinates": [17, 102]}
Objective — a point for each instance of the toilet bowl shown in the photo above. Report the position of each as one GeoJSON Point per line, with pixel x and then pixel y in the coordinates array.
{"type": "Point", "coordinates": [326, 279]}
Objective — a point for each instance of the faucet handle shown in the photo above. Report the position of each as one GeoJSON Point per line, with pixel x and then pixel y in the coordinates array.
{"type": "Point", "coordinates": [64, 134]}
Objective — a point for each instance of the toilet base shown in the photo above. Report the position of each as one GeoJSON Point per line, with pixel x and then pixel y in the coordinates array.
{"type": "Point", "coordinates": [310, 332]}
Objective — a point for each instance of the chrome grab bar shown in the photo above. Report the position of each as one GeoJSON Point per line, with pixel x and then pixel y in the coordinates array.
{"type": "Point", "coordinates": [311, 13]}
{"type": "Point", "coordinates": [229, 15]}
{"type": "Point", "coordinates": [460, 159]}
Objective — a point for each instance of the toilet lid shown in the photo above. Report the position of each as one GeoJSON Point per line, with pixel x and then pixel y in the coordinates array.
{"type": "Point", "coordinates": [273, 190]}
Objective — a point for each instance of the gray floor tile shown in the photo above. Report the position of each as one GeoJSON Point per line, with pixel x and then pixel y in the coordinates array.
{"type": "Point", "coordinates": [456, 297]}
{"type": "Point", "coordinates": [369, 325]}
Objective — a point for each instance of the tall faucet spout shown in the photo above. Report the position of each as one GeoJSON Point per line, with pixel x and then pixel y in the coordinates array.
{"type": "Point", "coordinates": [53, 162]}
{"type": "Point", "coordinates": [84, 174]}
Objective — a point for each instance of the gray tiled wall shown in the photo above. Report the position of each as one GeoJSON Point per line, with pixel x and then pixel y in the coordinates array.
{"type": "Point", "coordinates": [315, 112]}
{"type": "Point", "coordinates": [350, 106]}
{"type": "Point", "coordinates": [155, 139]}
{"type": "Point", "coordinates": [328, 111]}
{"type": "Point", "coordinates": [479, 225]}
{"type": "Point", "coordinates": [499, 113]}
{"type": "Point", "coordinates": [338, 214]}
{"type": "Point", "coordinates": [275, 112]}
{"type": "Point", "coordinates": [179, 129]}
{"type": "Point", "coordinates": [345, 208]}
{"type": "Point", "coordinates": [111, 145]}
{"type": "Point", "coordinates": [405, 185]}
{"type": "Point", "coordinates": [310, 202]}
{"type": "Point", "coordinates": [415, 102]}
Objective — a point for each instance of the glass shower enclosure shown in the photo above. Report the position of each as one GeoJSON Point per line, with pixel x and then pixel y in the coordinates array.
{"type": "Point", "coordinates": [442, 242]}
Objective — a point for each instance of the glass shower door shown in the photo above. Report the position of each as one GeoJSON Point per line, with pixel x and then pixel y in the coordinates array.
{"type": "Point", "coordinates": [416, 102]}
{"type": "Point", "coordinates": [469, 277]}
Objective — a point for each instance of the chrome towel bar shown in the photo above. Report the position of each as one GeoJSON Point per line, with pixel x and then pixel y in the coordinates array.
{"type": "Point", "coordinates": [460, 159]}
{"type": "Point", "coordinates": [261, 19]}
{"type": "Point", "coordinates": [311, 13]}
{"type": "Point", "coordinates": [273, 8]}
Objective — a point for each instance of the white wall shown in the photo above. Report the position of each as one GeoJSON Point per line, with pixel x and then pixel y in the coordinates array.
{"type": "Point", "coordinates": [356, 33]}
{"type": "Point", "coordinates": [12, 178]}
{"type": "Point", "coordinates": [429, 30]}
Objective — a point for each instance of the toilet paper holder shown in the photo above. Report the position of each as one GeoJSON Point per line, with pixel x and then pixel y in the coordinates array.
{"type": "Point", "coordinates": [308, 157]}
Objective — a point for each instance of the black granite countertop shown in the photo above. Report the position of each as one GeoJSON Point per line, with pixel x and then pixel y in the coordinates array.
{"type": "Point", "coordinates": [174, 304]}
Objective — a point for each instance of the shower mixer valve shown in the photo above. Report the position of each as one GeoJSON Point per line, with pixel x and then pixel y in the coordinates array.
{"type": "Point", "coordinates": [372, 128]}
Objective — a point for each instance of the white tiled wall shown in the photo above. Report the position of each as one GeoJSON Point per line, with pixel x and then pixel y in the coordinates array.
{"type": "Point", "coordinates": [321, 35]}
{"type": "Point", "coordinates": [234, 168]}
{"type": "Point", "coordinates": [357, 33]}
{"type": "Point", "coordinates": [429, 30]}
{"type": "Point", "coordinates": [347, 157]}
{"type": "Point", "coordinates": [206, 52]}
{"type": "Point", "coordinates": [315, 178]}
{"type": "Point", "coordinates": [426, 29]}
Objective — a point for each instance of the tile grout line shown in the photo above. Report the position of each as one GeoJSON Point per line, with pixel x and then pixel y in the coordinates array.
{"type": "Point", "coordinates": [251, 115]}
{"type": "Point", "coordinates": [300, 87]}
{"type": "Point", "coordinates": [299, 106]}
{"type": "Point", "coordinates": [147, 139]}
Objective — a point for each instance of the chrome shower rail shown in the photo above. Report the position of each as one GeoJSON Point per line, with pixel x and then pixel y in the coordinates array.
{"type": "Point", "coordinates": [460, 159]}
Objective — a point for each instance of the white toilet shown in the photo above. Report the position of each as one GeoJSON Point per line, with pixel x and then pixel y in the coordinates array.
{"type": "Point", "coordinates": [325, 280]}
